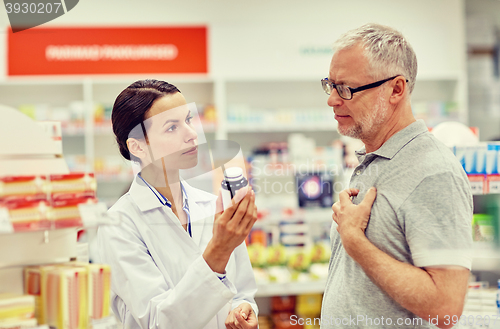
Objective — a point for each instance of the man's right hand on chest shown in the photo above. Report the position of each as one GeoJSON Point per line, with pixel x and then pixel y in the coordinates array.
{"type": "Point", "coordinates": [352, 219]}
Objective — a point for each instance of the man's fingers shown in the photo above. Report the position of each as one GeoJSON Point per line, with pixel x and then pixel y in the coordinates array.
{"type": "Point", "coordinates": [352, 191]}
{"type": "Point", "coordinates": [370, 197]}
{"type": "Point", "coordinates": [336, 210]}
{"type": "Point", "coordinates": [345, 195]}
{"type": "Point", "coordinates": [336, 207]}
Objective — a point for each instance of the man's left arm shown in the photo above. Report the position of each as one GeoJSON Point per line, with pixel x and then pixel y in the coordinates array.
{"type": "Point", "coordinates": [429, 292]}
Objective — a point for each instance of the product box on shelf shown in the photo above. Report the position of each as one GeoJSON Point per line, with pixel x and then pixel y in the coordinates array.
{"type": "Point", "coordinates": [483, 228]}
{"type": "Point", "coordinates": [23, 199]}
{"type": "Point", "coordinates": [480, 301]}
{"type": "Point", "coordinates": [35, 284]}
{"type": "Point", "coordinates": [69, 295]}
{"type": "Point", "coordinates": [66, 212]}
{"type": "Point", "coordinates": [28, 215]}
{"type": "Point", "coordinates": [31, 203]}
{"type": "Point", "coordinates": [99, 288]}
{"type": "Point", "coordinates": [23, 188]}
{"type": "Point", "coordinates": [67, 298]}
{"type": "Point", "coordinates": [60, 185]}
{"type": "Point", "coordinates": [477, 184]}
{"type": "Point", "coordinates": [20, 324]}
{"type": "Point", "coordinates": [481, 163]}
{"type": "Point", "coordinates": [17, 311]}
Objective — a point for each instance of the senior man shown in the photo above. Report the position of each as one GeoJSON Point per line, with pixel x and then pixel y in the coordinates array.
{"type": "Point", "coordinates": [402, 239]}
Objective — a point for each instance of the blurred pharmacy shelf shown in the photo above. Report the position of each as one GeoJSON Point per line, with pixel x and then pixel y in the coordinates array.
{"type": "Point", "coordinates": [36, 153]}
{"type": "Point", "coordinates": [280, 127]}
{"type": "Point", "coordinates": [248, 110]}
{"type": "Point", "coordinates": [486, 257]}
{"type": "Point", "coordinates": [35, 248]}
{"type": "Point", "coordinates": [308, 216]}
{"type": "Point", "coordinates": [290, 288]}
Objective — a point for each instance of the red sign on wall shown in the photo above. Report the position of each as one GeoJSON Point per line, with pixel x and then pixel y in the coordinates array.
{"type": "Point", "coordinates": [56, 51]}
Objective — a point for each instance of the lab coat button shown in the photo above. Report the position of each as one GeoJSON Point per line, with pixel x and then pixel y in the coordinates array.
{"type": "Point", "coordinates": [227, 294]}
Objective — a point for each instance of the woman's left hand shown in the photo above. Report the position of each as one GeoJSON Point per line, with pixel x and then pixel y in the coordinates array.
{"type": "Point", "coordinates": [242, 317]}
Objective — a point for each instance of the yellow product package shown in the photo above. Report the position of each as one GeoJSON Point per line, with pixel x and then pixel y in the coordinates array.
{"type": "Point", "coordinates": [35, 283]}
{"type": "Point", "coordinates": [67, 297]}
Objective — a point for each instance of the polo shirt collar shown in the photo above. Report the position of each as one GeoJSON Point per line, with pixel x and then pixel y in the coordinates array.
{"type": "Point", "coordinates": [391, 147]}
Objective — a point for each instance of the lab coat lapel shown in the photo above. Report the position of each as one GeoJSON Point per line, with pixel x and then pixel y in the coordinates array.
{"type": "Point", "coordinates": [198, 221]}
{"type": "Point", "coordinates": [201, 210]}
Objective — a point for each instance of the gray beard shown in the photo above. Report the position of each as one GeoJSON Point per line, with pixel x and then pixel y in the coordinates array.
{"type": "Point", "coordinates": [368, 125]}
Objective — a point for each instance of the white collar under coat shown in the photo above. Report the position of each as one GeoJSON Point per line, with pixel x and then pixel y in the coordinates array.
{"type": "Point", "coordinates": [147, 200]}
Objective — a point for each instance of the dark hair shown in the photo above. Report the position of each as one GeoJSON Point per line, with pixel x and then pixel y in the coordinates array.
{"type": "Point", "coordinates": [131, 106]}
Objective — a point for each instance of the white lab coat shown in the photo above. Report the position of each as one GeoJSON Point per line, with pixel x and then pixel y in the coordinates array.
{"type": "Point", "coordinates": [159, 277]}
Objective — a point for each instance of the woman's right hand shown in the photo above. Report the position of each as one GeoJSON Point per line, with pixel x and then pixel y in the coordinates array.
{"type": "Point", "coordinates": [231, 227]}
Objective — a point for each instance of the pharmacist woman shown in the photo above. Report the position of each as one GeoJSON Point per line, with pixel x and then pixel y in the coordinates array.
{"type": "Point", "coordinates": [177, 260]}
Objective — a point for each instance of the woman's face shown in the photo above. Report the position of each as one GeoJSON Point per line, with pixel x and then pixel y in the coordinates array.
{"type": "Point", "coordinates": [170, 134]}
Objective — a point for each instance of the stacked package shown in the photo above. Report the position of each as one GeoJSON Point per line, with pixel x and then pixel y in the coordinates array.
{"type": "Point", "coordinates": [17, 311]}
{"type": "Point", "coordinates": [25, 200]}
{"type": "Point", "coordinates": [69, 295]}
{"type": "Point", "coordinates": [481, 163]}
{"type": "Point", "coordinates": [481, 301]}
{"type": "Point", "coordinates": [43, 202]}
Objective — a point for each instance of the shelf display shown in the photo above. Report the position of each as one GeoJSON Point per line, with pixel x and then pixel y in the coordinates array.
{"type": "Point", "coordinates": [69, 295]}
{"type": "Point", "coordinates": [244, 118]}
{"type": "Point", "coordinates": [278, 264]}
{"type": "Point", "coordinates": [436, 112]}
{"type": "Point", "coordinates": [302, 311]}
{"type": "Point", "coordinates": [481, 162]}
{"type": "Point", "coordinates": [17, 311]}
{"type": "Point", "coordinates": [42, 207]}
{"type": "Point", "coordinates": [480, 300]}
{"type": "Point", "coordinates": [45, 202]}
{"type": "Point", "coordinates": [90, 134]}
{"type": "Point", "coordinates": [277, 96]}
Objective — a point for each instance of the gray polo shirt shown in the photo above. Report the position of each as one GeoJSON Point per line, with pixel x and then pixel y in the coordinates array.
{"type": "Point", "coordinates": [421, 216]}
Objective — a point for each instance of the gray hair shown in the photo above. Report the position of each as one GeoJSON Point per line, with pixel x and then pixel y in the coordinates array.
{"type": "Point", "coordinates": [387, 51]}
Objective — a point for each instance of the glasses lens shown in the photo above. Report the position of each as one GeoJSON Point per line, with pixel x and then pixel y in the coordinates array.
{"type": "Point", "coordinates": [344, 91]}
{"type": "Point", "coordinates": [326, 86]}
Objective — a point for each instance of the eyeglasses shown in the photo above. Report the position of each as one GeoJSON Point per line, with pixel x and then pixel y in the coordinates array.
{"type": "Point", "coordinates": [346, 92]}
